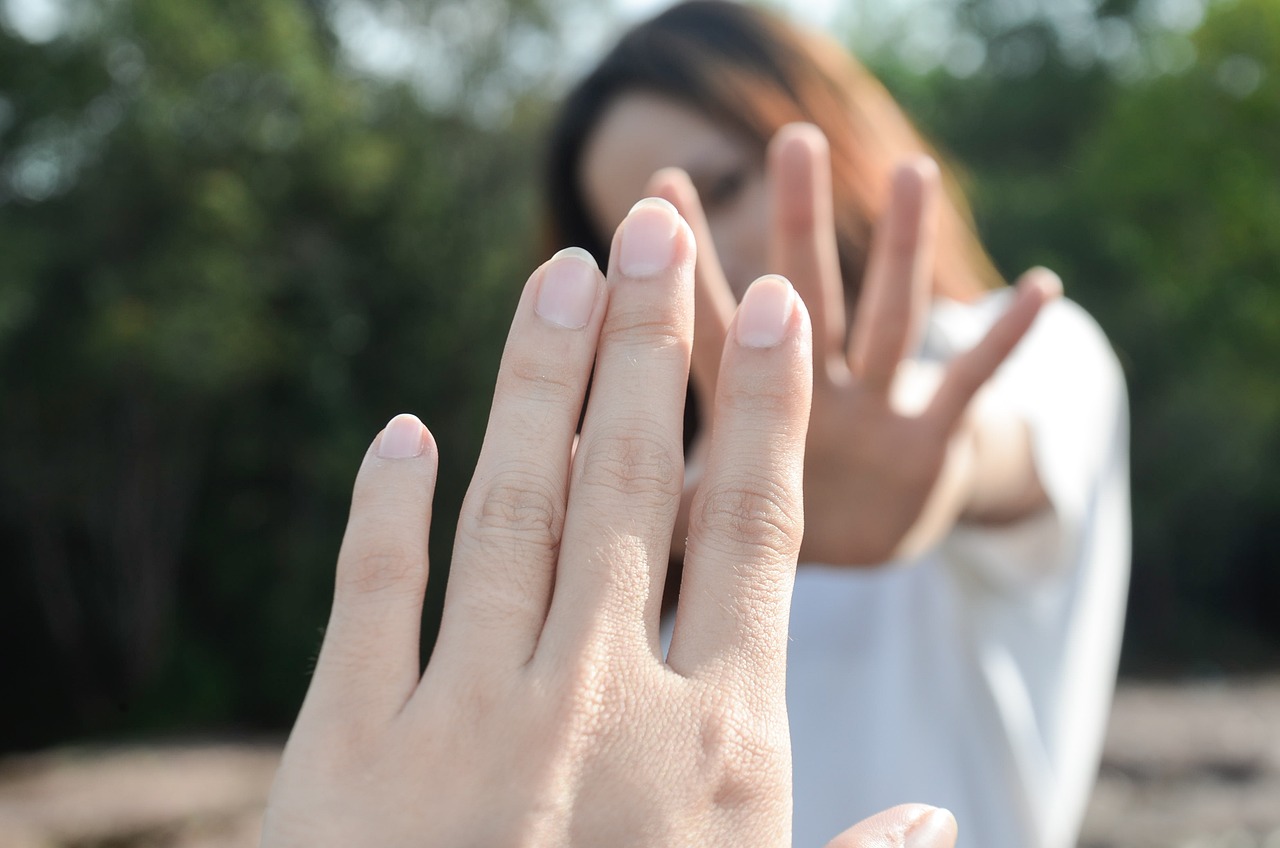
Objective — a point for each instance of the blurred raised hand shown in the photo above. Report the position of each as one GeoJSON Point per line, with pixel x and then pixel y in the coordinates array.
{"type": "Point", "coordinates": [896, 453]}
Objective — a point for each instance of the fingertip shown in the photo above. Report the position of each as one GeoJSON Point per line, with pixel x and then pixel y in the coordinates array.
{"type": "Point", "coordinates": [1044, 281]}
{"type": "Point", "coordinates": [404, 437]}
{"type": "Point", "coordinates": [793, 152]}
{"type": "Point", "coordinates": [916, 176]}
{"type": "Point", "coordinates": [798, 138]}
{"type": "Point", "coordinates": [904, 826]}
{"type": "Point", "coordinates": [799, 168]}
{"type": "Point", "coordinates": [923, 166]}
{"type": "Point", "coordinates": [670, 183]}
{"type": "Point", "coordinates": [935, 827]}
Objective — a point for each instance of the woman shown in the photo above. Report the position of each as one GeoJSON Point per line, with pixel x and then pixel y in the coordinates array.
{"type": "Point", "coordinates": [957, 614]}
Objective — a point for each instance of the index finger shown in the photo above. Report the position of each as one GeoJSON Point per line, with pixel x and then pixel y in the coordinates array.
{"type": "Point", "coordinates": [713, 302]}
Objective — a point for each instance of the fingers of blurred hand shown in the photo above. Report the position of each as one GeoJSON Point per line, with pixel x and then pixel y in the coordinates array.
{"type": "Point", "coordinates": [746, 520]}
{"type": "Point", "coordinates": [627, 471]}
{"type": "Point", "coordinates": [368, 665]}
{"type": "Point", "coordinates": [713, 302]}
{"type": "Point", "coordinates": [895, 294]}
{"type": "Point", "coordinates": [511, 520]}
{"type": "Point", "coordinates": [803, 241]}
{"type": "Point", "coordinates": [906, 826]}
{"type": "Point", "coordinates": [967, 372]}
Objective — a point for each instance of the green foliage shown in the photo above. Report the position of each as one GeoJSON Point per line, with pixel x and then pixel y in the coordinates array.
{"type": "Point", "coordinates": [1183, 186]}
{"type": "Point", "coordinates": [1157, 199]}
{"type": "Point", "coordinates": [225, 261]}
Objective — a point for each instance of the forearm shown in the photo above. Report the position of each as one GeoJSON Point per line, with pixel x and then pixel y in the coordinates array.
{"type": "Point", "coordinates": [1003, 484]}
{"type": "Point", "coordinates": [988, 477]}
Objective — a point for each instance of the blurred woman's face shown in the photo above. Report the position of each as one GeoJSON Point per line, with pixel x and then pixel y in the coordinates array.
{"type": "Point", "coordinates": [641, 133]}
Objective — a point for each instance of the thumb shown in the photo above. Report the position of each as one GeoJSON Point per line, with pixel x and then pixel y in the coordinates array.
{"type": "Point", "coordinates": [905, 826]}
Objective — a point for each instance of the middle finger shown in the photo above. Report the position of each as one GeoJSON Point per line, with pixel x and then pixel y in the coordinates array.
{"type": "Point", "coordinates": [628, 469]}
{"type": "Point", "coordinates": [803, 244]}
{"type": "Point", "coordinates": [895, 295]}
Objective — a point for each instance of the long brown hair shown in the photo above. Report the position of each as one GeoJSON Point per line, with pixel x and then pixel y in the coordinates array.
{"type": "Point", "coordinates": [752, 73]}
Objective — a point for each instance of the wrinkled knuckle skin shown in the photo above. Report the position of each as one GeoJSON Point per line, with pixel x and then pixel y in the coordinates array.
{"type": "Point", "coordinates": [633, 464]}
{"type": "Point", "coordinates": [387, 568]}
{"type": "Point", "coordinates": [761, 396]}
{"type": "Point", "coordinates": [757, 516]}
{"type": "Point", "coordinates": [520, 507]}
{"type": "Point", "coordinates": [532, 376]}
{"type": "Point", "coordinates": [644, 327]}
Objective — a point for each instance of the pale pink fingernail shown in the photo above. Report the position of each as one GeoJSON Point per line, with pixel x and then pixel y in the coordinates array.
{"type": "Point", "coordinates": [932, 830]}
{"type": "Point", "coordinates": [765, 312]}
{"type": "Point", "coordinates": [402, 438]}
{"type": "Point", "coordinates": [648, 238]}
{"type": "Point", "coordinates": [567, 291]}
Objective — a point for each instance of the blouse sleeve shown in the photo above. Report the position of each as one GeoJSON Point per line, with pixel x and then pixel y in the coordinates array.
{"type": "Point", "coordinates": [1064, 381]}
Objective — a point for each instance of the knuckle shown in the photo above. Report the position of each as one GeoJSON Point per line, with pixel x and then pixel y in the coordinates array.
{"type": "Point", "coordinates": [760, 516]}
{"type": "Point", "coordinates": [645, 326]}
{"type": "Point", "coordinates": [633, 464]}
{"type": "Point", "coordinates": [535, 376]}
{"type": "Point", "coordinates": [388, 567]}
{"type": "Point", "coordinates": [518, 506]}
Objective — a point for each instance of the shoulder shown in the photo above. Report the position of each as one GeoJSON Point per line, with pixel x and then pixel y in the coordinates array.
{"type": "Point", "coordinates": [1064, 328]}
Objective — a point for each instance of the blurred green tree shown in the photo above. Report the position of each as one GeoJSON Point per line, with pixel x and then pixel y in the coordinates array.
{"type": "Point", "coordinates": [1177, 211]}
{"type": "Point", "coordinates": [1133, 149]}
{"type": "Point", "coordinates": [226, 257]}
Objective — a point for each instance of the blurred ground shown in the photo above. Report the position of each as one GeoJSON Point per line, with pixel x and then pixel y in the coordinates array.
{"type": "Point", "coordinates": [1189, 766]}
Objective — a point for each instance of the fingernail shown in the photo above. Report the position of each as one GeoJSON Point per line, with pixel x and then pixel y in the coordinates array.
{"type": "Point", "coordinates": [931, 830]}
{"type": "Point", "coordinates": [567, 291]}
{"type": "Point", "coordinates": [765, 312]}
{"type": "Point", "coordinates": [648, 238]}
{"type": "Point", "coordinates": [402, 438]}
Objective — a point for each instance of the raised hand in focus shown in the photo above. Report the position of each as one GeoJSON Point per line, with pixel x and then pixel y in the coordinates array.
{"type": "Point", "coordinates": [548, 715]}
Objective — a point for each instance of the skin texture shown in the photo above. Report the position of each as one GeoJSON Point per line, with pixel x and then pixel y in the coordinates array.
{"type": "Point", "coordinates": [547, 715]}
{"type": "Point", "coordinates": [897, 453]}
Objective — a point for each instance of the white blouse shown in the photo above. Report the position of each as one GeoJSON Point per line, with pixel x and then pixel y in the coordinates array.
{"type": "Point", "coordinates": [978, 677]}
